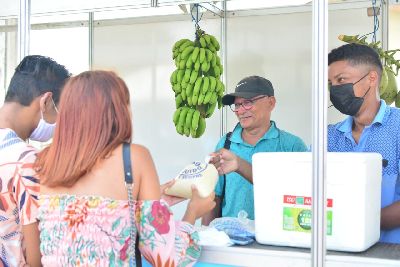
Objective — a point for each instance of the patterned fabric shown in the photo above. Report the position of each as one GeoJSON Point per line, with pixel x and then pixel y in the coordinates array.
{"type": "Point", "coordinates": [383, 137]}
{"type": "Point", "coordinates": [19, 190]}
{"type": "Point", "coordinates": [94, 231]}
{"type": "Point", "coordinates": [237, 187]}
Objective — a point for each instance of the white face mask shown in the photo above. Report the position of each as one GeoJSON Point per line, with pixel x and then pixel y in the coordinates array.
{"type": "Point", "coordinates": [44, 131]}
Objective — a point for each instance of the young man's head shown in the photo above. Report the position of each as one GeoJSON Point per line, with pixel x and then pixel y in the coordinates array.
{"type": "Point", "coordinates": [34, 76]}
{"type": "Point", "coordinates": [30, 106]}
{"type": "Point", "coordinates": [354, 74]}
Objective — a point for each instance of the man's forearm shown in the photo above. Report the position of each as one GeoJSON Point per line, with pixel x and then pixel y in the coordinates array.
{"type": "Point", "coordinates": [390, 216]}
{"type": "Point", "coordinates": [245, 170]}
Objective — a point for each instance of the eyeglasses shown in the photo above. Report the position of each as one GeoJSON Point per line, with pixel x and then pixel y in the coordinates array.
{"type": "Point", "coordinates": [246, 104]}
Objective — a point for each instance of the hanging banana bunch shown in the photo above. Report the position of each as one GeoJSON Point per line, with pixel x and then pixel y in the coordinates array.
{"type": "Point", "coordinates": [388, 87]}
{"type": "Point", "coordinates": [196, 83]}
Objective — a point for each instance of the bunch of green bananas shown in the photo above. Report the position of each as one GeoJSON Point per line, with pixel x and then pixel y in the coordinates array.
{"type": "Point", "coordinates": [387, 88]}
{"type": "Point", "coordinates": [196, 83]}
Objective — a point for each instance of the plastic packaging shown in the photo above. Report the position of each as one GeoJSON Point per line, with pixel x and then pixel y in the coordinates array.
{"type": "Point", "coordinates": [240, 230]}
{"type": "Point", "coordinates": [204, 176]}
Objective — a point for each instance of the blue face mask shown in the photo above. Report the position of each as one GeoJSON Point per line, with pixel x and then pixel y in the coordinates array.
{"type": "Point", "coordinates": [44, 131]}
{"type": "Point", "coordinates": [343, 98]}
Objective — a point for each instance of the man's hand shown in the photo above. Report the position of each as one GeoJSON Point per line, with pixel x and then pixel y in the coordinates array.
{"type": "Point", "coordinates": [224, 161]}
{"type": "Point", "coordinates": [171, 200]}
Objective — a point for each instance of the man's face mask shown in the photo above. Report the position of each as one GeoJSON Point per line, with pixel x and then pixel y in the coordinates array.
{"type": "Point", "coordinates": [343, 98]}
{"type": "Point", "coordinates": [44, 131]}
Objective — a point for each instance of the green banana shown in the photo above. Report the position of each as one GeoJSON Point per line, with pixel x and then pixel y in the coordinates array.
{"type": "Point", "coordinates": [182, 116]}
{"type": "Point", "coordinates": [186, 76]}
{"type": "Point", "coordinates": [182, 64]}
{"type": "Point", "coordinates": [213, 83]}
{"type": "Point", "coordinates": [183, 93]}
{"type": "Point", "coordinates": [214, 42]}
{"type": "Point", "coordinates": [207, 38]}
{"type": "Point", "coordinates": [197, 85]}
{"type": "Point", "coordinates": [212, 48]}
{"type": "Point", "coordinates": [189, 100]}
{"type": "Point", "coordinates": [187, 51]}
{"type": "Point", "coordinates": [178, 101]}
{"type": "Point", "coordinates": [213, 98]}
{"type": "Point", "coordinates": [194, 99]}
{"type": "Point", "coordinates": [201, 128]}
{"type": "Point", "coordinates": [195, 119]}
{"type": "Point", "coordinates": [176, 115]}
{"type": "Point", "coordinates": [172, 79]}
{"type": "Point", "coordinates": [384, 82]}
{"type": "Point", "coordinates": [206, 83]}
{"type": "Point", "coordinates": [197, 64]}
{"type": "Point", "coordinates": [177, 88]}
{"type": "Point", "coordinates": [209, 55]}
{"type": "Point", "coordinates": [217, 71]}
{"type": "Point", "coordinates": [178, 43]}
{"type": "Point", "coordinates": [391, 90]}
{"type": "Point", "coordinates": [183, 84]}
{"type": "Point", "coordinates": [204, 66]}
{"type": "Point", "coordinates": [200, 99]}
{"type": "Point", "coordinates": [179, 76]}
{"type": "Point", "coordinates": [185, 44]}
{"type": "Point", "coordinates": [214, 60]}
{"type": "Point", "coordinates": [397, 100]}
{"type": "Point", "coordinates": [202, 41]}
{"type": "Point", "coordinates": [195, 54]}
{"type": "Point", "coordinates": [189, 89]}
{"type": "Point", "coordinates": [189, 63]}
{"type": "Point", "coordinates": [202, 55]}
{"type": "Point", "coordinates": [193, 76]}
{"type": "Point", "coordinates": [210, 109]}
{"type": "Point", "coordinates": [208, 96]}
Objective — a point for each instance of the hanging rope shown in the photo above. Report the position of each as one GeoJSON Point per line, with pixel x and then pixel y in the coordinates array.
{"type": "Point", "coordinates": [194, 12]}
{"type": "Point", "coordinates": [375, 8]}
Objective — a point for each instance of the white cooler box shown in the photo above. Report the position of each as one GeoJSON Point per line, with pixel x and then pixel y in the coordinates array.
{"type": "Point", "coordinates": [282, 199]}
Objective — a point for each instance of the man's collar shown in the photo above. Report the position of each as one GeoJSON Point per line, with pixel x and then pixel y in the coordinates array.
{"type": "Point", "coordinates": [270, 134]}
{"type": "Point", "coordinates": [346, 125]}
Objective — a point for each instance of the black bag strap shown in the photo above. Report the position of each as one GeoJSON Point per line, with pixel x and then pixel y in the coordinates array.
{"type": "Point", "coordinates": [227, 145]}
{"type": "Point", "coordinates": [126, 156]}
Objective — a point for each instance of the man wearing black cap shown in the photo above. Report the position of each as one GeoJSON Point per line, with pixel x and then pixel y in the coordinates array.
{"type": "Point", "coordinates": [252, 102]}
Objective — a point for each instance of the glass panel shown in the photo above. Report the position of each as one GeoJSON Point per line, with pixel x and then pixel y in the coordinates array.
{"type": "Point", "coordinates": [8, 53]}
{"type": "Point", "coordinates": [52, 36]}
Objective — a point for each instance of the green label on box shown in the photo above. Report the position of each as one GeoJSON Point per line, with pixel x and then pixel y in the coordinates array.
{"type": "Point", "coordinates": [299, 220]}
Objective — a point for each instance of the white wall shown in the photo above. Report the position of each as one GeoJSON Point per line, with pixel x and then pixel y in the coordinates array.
{"type": "Point", "coordinates": [277, 47]}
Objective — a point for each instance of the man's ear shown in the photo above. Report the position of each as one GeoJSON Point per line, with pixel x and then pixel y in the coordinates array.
{"type": "Point", "coordinates": [45, 101]}
{"type": "Point", "coordinates": [272, 100]}
{"type": "Point", "coordinates": [374, 77]}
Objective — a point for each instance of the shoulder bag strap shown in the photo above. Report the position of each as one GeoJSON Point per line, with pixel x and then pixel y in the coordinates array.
{"type": "Point", "coordinates": [134, 247]}
{"type": "Point", "coordinates": [227, 145]}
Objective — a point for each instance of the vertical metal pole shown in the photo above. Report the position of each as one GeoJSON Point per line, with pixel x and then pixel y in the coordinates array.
{"type": "Point", "coordinates": [319, 130]}
{"type": "Point", "coordinates": [385, 25]}
{"type": "Point", "coordinates": [91, 36]}
{"type": "Point", "coordinates": [24, 27]}
{"type": "Point", "coordinates": [224, 117]}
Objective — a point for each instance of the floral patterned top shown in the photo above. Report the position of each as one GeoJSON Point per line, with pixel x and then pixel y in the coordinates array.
{"type": "Point", "coordinates": [19, 191]}
{"type": "Point", "coordinates": [94, 231]}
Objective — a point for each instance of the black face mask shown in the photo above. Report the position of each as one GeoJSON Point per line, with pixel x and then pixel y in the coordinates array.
{"type": "Point", "coordinates": [343, 98]}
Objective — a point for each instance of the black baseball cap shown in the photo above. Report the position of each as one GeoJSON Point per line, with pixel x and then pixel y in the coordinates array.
{"type": "Point", "coordinates": [249, 87]}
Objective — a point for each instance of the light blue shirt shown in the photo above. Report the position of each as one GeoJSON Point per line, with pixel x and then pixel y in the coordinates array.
{"type": "Point", "coordinates": [239, 193]}
{"type": "Point", "coordinates": [381, 136]}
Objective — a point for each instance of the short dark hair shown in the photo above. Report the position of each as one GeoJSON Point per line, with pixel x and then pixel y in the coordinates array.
{"type": "Point", "coordinates": [356, 54]}
{"type": "Point", "coordinates": [34, 76]}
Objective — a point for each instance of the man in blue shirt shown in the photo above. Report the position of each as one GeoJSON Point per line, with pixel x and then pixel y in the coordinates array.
{"type": "Point", "coordinates": [354, 75]}
{"type": "Point", "coordinates": [252, 102]}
